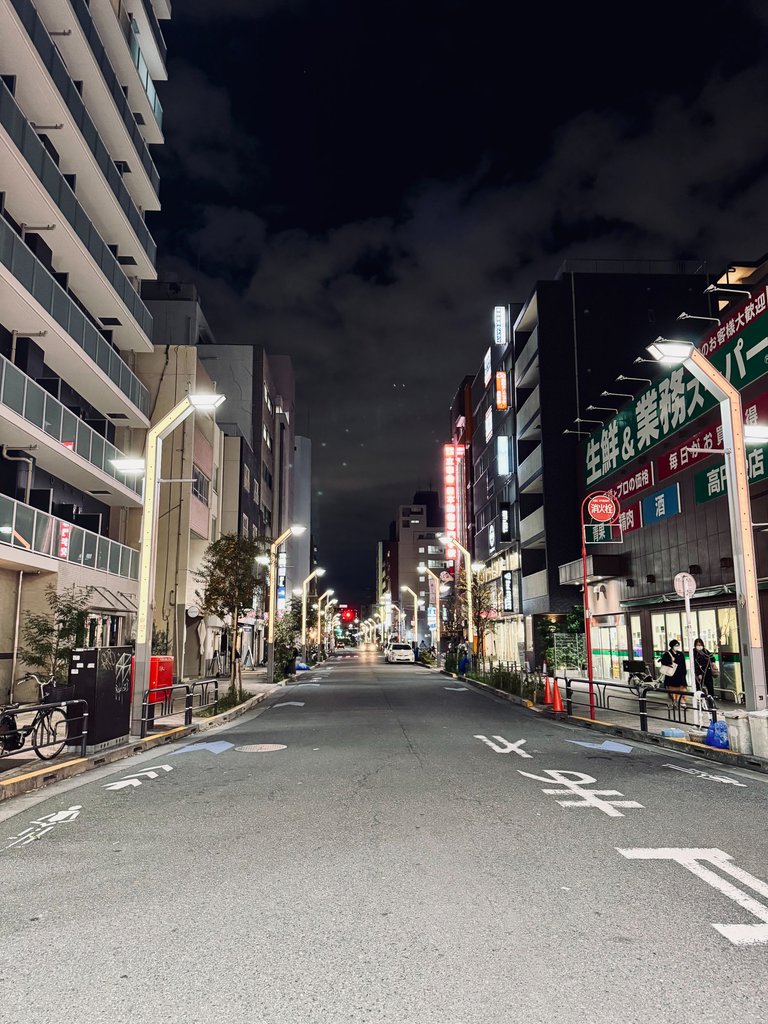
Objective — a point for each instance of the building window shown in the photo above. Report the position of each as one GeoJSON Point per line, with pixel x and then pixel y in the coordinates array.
{"type": "Point", "coordinates": [245, 526]}
{"type": "Point", "coordinates": [201, 485]}
{"type": "Point", "coordinates": [267, 516]}
{"type": "Point", "coordinates": [255, 489]}
{"type": "Point", "coordinates": [215, 480]}
{"type": "Point", "coordinates": [267, 400]}
{"type": "Point", "coordinates": [267, 476]}
{"type": "Point", "coordinates": [246, 479]}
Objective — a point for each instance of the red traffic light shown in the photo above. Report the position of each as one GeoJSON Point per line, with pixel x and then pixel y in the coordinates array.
{"type": "Point", "coordinates": [348, 615]}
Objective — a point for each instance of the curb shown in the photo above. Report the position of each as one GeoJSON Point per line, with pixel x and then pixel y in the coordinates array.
{"type": "Point", "coordinates": [727, 757]}
{"type": "Point", "coordinates": [28, 782]}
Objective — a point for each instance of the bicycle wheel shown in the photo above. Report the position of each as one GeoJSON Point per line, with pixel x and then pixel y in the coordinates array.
{"type": "Point", "coordinates": [49, 736]}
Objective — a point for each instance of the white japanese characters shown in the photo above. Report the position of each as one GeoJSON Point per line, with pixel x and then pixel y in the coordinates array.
{"type": "Point", "coordinates": [573, 785]}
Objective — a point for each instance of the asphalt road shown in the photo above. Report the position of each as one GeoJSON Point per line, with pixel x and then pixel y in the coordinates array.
{"type": "Point", "coordinates": [388, 865]}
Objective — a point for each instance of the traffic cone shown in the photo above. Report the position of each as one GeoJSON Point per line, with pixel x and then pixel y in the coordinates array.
{"type": "Point", "coordinates": [557, 701]}
{"type": "Point", "coordinates": [547, 691]}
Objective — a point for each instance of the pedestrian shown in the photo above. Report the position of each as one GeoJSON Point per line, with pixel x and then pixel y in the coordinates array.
{"type": "Point", "coordinates": [673, 670]}
{"type": "Point", "coordinates": [703, 662]}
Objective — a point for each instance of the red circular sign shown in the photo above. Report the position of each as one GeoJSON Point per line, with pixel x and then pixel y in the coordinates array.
{"type": "Point", "coordinates": [602, 508]}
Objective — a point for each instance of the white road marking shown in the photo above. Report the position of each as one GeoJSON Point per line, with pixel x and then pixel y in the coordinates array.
{"type": "Point", "coordinates": [136, 779]}
{"type": "Point", "coordinates": [41, 826]}
{"type": "Point", "coordinates": [503, 746]}
{"type": "Point", "coordinates": [694, 860]}
{"type": "Point", "coordinates": [705, 775]}
{"type": "Point", "coordinates": [455, 689]}
{"type": "Point", "coordinates": [587, 798]}
{"type": "Point", "coordinates": [290, 704]}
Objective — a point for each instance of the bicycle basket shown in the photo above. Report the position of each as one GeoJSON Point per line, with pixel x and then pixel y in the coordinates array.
{"type": "Point", "coordinates": [56, 693]}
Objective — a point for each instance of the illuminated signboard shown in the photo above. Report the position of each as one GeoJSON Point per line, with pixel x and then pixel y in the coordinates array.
{"type": "Point", "coordinates": [487, 367]}
{"type": "Point", "coordinates": [500, 325]}
{"type": "Point", "coordinates": [507, 591]}
{"type": "Point", "coordinates": [488, 424]}
{"type": "Point", "coordinates": [501, 390]}
{"type": "Point", "coordinates": [503, 467]}
{"type": "Point", "coordinates": [65, 530]}
{"type": "Point", "coordinates": [450, 501]}
{"type": "Point", "coordinates": [505, 517]}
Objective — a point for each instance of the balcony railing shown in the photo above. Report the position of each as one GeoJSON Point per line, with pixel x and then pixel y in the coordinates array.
{"type": "Point", "coordinates": [529, 468]}
{"type": "Point", "coordinates": [32, 530]}
{"type": "Point", "coordinates": [58, 71]}
{"type": "Point", "coordinates": [26, 398]}
{"type": "Point", "coordinates": [528, 415]}
{"type": "Point", "coordinates": [532, 526]}
{"type": "Point", "coordinates": [28, 269]}
{"type": "Point", "coordinates": [55, 184]}
{"type": "Point", "coordinates": [144, 75]}
{"type": "Point", "coordinates": [535, 586]}
{"type": "Point", "coordinates": [525, 361]}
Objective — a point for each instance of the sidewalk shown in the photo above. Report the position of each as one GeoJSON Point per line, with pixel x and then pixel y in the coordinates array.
{"type": "Point", "coordinates": [25, 765]}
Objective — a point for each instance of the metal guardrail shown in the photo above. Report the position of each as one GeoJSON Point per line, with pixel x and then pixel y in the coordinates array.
{"type": "Point", "coordinates": [608, 695]}
{"type": "Point", "coordinates": [167, 705]}
{"type": "Point", "coordinates": [71, 739]}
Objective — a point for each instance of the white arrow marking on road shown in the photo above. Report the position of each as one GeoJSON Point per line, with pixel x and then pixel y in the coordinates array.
{"type": "Point", "coordinates": [290, 704]}
{"type": "Point", "coordinates": [503, 746]}
{"type": "Point", "coordinates": [705, 775]}
{"type": "Point", "coordinates": [587, 798]}
{"type": "Point", "coordinates": [455, 689]}
{"type": "Point", "coordinates": [612, 745]}
{"type": "Point", "coordinates": [135, 779]}
{"type": "Point", "coordinates": [694, 860]}
{"type": "Point", "coordinates": [309, 684]}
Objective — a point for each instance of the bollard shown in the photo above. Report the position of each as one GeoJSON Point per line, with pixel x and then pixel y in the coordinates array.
{"type": "Point", "coordinates": [643, 705]}
{"type": "Point", "coordinates": [568, 696]}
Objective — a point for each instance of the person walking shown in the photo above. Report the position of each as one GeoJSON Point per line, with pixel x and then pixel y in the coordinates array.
{"type": "Point", "coordinates": [673, 670]}
{"type": "Point", "coordinates": [704, 668]}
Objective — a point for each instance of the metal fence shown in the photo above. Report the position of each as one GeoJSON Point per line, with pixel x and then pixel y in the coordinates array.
{"type": "Point", "coordinates": [618, 698]}
{"type": "Point", "coordinates": [177, 698]}
{"type": "Point", "coordinates": [70, 731]}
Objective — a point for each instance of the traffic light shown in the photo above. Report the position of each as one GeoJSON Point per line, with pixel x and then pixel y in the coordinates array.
{"type": "Point", "coordinates": [348, 615]}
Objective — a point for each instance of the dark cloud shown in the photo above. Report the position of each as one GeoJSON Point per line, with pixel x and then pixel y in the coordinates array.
{"type": "Point", "coordinates": [383, 315]}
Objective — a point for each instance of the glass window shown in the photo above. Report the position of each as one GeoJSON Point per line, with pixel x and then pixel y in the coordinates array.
{"type": "Point", "coordinates": [637, 637]}
{"type": "Point", "coordinates": [244, 525]}
{"type": "Point", "coordinates": [201, 485]}
{"type": "Point", "coordinates": [659, 631]}
{"type": "Point", "coordinates": [675, 627]}
{"type": "Point", "coordinates": [246, 479]}
{"type": "Point", "coordinates": [728, 649]}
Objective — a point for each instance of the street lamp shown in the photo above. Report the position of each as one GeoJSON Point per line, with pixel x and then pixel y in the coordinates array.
{"type": "Point", "coordinates": [415, 596]}
{"type": "Point", "coordinates": [468, 567]}
{"type": "Point", "coordinates": [425, 569]}
{"type": "Point", "coordinates": [316, 572]}
{"type": "Point", "coordinates": [148, 556]}
{"type": "Point", "coordinates": [320, 623]}
{"type": "Point", "coordinates": [292, 531]}
{"type": "Point", "coordinates": [739, 509]}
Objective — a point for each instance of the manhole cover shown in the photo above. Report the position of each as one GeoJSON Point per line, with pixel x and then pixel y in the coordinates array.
{"type": "Point", "coordinates": [260, 748]}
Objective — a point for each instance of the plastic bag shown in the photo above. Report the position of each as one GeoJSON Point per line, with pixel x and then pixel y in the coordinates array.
{"type": "Point", "coordinates": [717, 735]}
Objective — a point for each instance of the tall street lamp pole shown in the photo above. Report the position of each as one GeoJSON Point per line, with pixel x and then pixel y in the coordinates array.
{"type": "Point", "coordinates": [449, 541]}
{"type": "Point", "coordinates": [739, 511]}
{"type": "Point", "coordinates": [320, 621]}
{"type": "Point", "coordinates": [295, 531]}
{"type": "Point", "coordinates": [415, 596]}
{"type": "Point", "coordinates": [148, 556]}
{"type": "Point", "coordinates": [436, 578]}
{"type": "Point", "coordinates": [304, 587]}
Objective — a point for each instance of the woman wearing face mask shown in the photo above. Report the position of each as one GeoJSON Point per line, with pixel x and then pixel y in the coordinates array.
{"type": "Point", "coordinates": [673, 670]}
{"type": "Point", "coordinates": [703, 666]}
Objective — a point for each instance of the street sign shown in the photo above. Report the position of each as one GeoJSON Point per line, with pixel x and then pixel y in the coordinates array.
{"type": "Point", "coordinates": [685, 584]}
{"type": "Point", "coordinates": [603, 508]}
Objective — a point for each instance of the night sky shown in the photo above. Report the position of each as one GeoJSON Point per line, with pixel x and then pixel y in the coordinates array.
{"type": "Point", "coordinates": [357, 183]}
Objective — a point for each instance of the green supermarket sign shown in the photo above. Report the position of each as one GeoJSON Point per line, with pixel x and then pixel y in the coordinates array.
{"type": "Point", "coordinates": [710, 483]}
{"type": "Point", "coordinates": [738, 348]}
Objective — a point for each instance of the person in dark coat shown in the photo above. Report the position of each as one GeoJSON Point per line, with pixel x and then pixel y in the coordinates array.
{"type": "Point", "coordinates": [703, 664]}
{"type": "Point", "coordinates": [675, 682]}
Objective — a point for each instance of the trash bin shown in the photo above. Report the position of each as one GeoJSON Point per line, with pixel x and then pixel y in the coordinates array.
{"type": "Point", "coordinates": [102, 677]}
{"type": "Point", "coordinates": [758, 728]}
{"type": "Point", "coordinates": [739, 732]}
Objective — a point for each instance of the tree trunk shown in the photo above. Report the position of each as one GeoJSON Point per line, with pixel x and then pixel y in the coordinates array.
{"type": "Point", "coordinates": [233, 669]}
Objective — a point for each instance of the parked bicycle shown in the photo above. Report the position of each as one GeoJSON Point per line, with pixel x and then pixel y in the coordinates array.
{"type": "Point", "coordinates": [641, 682]}
{"type": "Point", "coordinates": [48, 728]}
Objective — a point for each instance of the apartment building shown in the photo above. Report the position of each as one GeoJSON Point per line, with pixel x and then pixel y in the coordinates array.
{"type": "Point", "coordinates": [78, 113]}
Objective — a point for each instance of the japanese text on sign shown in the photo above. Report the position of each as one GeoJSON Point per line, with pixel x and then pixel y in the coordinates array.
{"type": "Point", "coordinates": [678, 399]}
{"type": "Point", "coordinates": [711, 483]}
{"type": "Point", "coordinates": [631, 484]}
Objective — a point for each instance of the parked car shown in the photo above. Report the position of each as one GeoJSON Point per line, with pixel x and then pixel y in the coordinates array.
{"type": "Point", "coordinates": [399, 652]}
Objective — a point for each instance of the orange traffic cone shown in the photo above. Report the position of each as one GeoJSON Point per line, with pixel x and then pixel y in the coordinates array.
{"type": "Point", "coordinates": [557, 701]}
{"type": "Point", "coordinates": [547, 691]}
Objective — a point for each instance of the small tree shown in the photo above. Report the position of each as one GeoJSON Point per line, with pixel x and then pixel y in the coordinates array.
{"type": "Point", "coordinates": [287, 636]}
{"type": "Point", "coordinates": [229, 575]}
{"type": "Point", "coordinates": [482, 608]}
{"type": "Point", "coordinates": [49, 639]}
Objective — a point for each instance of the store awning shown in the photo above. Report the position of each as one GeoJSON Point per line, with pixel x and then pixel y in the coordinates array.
{"type": "Point", "coordinates": [103, 599]}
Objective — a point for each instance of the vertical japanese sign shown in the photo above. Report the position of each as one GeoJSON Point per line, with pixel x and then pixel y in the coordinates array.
{"type": "Point", "coordinates": [500, 334]}
{"type": "Point", "coordinates": [502, 399]}
{"type": "Point", "coordinates": [738, 348]}
{"type": "Point", "coordinates": [487, 368]}
{"type": "Point", "coordinates": [450, 492]}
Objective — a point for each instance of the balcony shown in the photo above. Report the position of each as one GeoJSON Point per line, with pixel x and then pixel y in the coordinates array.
{"type": "Point", "coordinates": [535, 587]}
{"type": "Point", "coordinates": [532, 529]}
{"type": "Point", "coordinates": [37, 192]}
{"type": "Point", "coordinates": [66, 446]}
{"type": "Point", "coordinates": [28, 537]}
{"type": "Point", "coordinates": [529, 417]}
{"type": "Point", "coordinates": [529, 473]}
{"type": "Point", "coordinates": [107, 106]}
{"type": "Point", "coordinates": [73, 346]}
{"type": "Point", "coordinates": [527, 363]}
